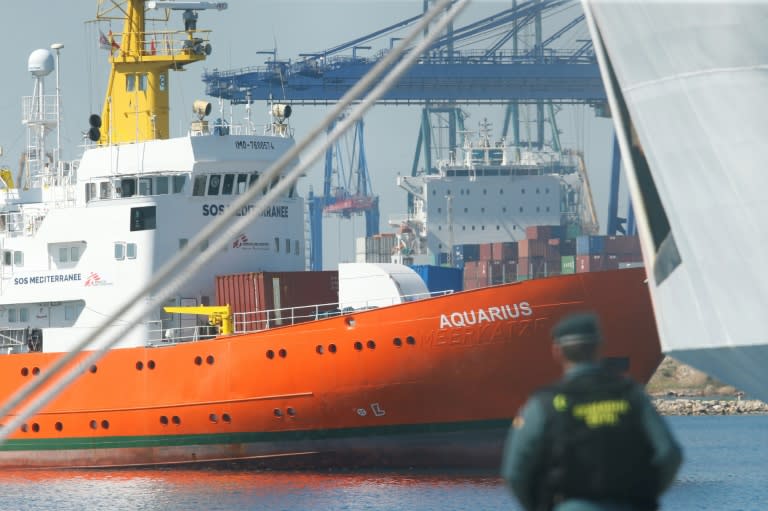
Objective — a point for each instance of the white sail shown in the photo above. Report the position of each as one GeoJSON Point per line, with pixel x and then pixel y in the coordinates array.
{"type": "Point", "coordinates": [687, 83]}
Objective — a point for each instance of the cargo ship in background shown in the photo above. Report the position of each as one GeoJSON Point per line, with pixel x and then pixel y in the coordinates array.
{"type": "Point", "coordinates": [253, 359]}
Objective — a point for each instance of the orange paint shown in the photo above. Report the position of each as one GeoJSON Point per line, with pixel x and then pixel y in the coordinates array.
{"type": "Point", "coordinates": [380, 387]}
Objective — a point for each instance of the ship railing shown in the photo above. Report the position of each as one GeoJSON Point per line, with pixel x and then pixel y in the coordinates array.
{"type": "Point", "coordinates": [255, 321]}
{"type": "Point", "coordinates": [22, 222]}
{"type": "Point", "coordinates": [159, 336]}
{"type": "Point", "coordinates": [13, 340]}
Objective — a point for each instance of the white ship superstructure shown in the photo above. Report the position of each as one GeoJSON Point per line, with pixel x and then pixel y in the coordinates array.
{"type": "Point", "coordinates": [77, 237]}
{"type": "Point", "coordinates": [492, 193]}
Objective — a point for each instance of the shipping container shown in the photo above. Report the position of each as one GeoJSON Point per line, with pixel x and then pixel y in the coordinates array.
{"type": "Point", "coordinates": [542, 232]}
{"type": "Point", "coordinates": [471, 252]}
{"type": "Point", "coordinates": [486, 251]}
{"type": "Point", "coordinates": [440, 278]}
{"type": "Point", "coordinates": [568, 247]}
{"type": "Point", "coordinates": [587, 263]}
{"type": "Point", "coordinates": [568, 264]}
{"type": "Point", "coordinates": [265, 291]}
{"type": "Point", "coordinates": [590, 245]}
{"type": "Point", "coordinates": [505, 251]}
{"type": "Point", "coordinates": [531, 248]}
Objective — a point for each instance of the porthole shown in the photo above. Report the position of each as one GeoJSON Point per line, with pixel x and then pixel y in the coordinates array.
{"type": "Point", "coordinates": [35, 427]}
{"type": "Point", "coordinates": [358, 345]}
{"type": "Point", "coordinates": [350, 322]}
{"type": "Point", "coordinates": [226, 418]}
{"type": "Point", "coordinates": [282, 353]}
{"type": "Point", "coordinates": [410, 340]}
{"type": "Point", "coordinates": [176, 419]}
{"type": "Point", "coordinates": [93, 424]}
{"type": "Point", "coordinates": [270, 354]}
{"type": "Point", "coordinates": [93, 368]}
{"type": "Point", "coordinates": [24, 428]}
{"type": "Point", "coordinates": [163, 420]}
{"type": "Point", "coordinates": [291, 411]}
{"type": "Point", "coordinates": [59, 426]}
{"type": "Point", "coordinates": [105, 424]}
{"type": "Point", "coordinates": [213, 418]}
{"type": "Point", "coordinates": [35, 371]}
{"type": "Point", "coordinates": [319, 349]}
{"type": "Point", "coordinates": [198, 360]}
{"type": "Point", "coordinates": [139, 365]}
{"type": "Point", "coordinates": [397, 341]}
{"type": "Point", "coordinates": [24, 371]}
{"type": "Point", "coordinates": [151, 364]}
{"type": "Point", "coordinates": [371, 344]}
{"type": "Point", "coordinates": [209, 360]}
{"type": "Point", "coordinates": [278, 412]}
{"type": "Point", "coordinates": [332, 348]}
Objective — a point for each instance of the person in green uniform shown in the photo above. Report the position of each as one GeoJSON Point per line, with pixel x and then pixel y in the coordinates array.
{"type": "Point", "coordinates": [591, 442]}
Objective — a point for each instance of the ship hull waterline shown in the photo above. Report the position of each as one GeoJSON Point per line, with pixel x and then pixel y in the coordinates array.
{"type": "Point", "coordinates": [433, 382]}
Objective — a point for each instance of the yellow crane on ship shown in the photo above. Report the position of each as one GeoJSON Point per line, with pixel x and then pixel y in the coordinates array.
{"type": "Point", "coordinates": [218, 315]}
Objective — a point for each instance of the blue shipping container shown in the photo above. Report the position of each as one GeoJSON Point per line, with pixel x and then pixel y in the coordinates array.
{"type": "Point", "coordinates": [590, 245]}
{"type": "Point", "coordinates": [440, 278]}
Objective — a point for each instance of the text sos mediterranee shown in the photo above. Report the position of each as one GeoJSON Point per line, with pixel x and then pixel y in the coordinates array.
{"type": "Point", "coordinates": [272, 211]}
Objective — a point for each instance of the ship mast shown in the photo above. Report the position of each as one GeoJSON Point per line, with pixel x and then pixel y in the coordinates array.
{"type": "Point", "coordinates": [136, 105]}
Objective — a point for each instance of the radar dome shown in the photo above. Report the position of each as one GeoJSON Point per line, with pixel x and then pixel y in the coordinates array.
{"type": "Point", "coordinates": [40, 62]}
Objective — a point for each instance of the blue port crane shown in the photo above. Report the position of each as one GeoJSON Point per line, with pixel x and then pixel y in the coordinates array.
{"type": "Point", "coordinates": [347, 190]}
{"type": "Point", "coordinates": [487, 61]}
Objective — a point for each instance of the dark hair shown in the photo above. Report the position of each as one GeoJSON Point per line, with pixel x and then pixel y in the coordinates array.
{"type": "Point", "coordinates": [580, 352]}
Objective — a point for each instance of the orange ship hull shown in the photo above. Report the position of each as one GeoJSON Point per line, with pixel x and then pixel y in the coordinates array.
{"type": "Point", "coordinates": [426, 383]}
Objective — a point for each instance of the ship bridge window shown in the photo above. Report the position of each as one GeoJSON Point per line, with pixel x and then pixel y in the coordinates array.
{"type": "Point", "coordinates": [105, 190]}
{"type": "Point", "coordinates": [90, 191]}
{"type": "Point", "coordinates": [277, 244]}
{"type": "Point", "coordinates": [214, 182]}
{"type": "Point", "coordinates": [66, 252]}
{"type": "Point", "coordinates": [119, 251]}
{"type": "Point", "coordinates": [13, 257]}
{"type": "Point", "coordinates": [229, 184]}
{"type": "Point", "coordinates": [130, 82]}
{"type": "Point", "coordinates": [178, 183]}
{"type": "Point", "coordinates": [242, 183]}
{"type": "Point", "coordinates": [198, 189]}
{"type": "Point", "coordinates": [296, 247]}
{"type": "Point", "coordinates": [144, 218]}
{"type": "Point", "coordinates": [161, 185]}
{"type": "Point", "coordinates": [145, 186]}
{"type": "Point", "coordinates": [128, 187]}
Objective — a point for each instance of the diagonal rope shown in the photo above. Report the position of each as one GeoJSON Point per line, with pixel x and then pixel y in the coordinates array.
{"type": "Point", "coordinates": [169, 278]}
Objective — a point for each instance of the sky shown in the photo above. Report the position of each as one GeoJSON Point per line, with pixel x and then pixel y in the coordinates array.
{"type": "Point", "coordinates": [248, 26]}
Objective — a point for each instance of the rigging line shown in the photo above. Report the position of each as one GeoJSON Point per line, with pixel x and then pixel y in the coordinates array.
{"type": "Point", "coordinates": [142, 301]}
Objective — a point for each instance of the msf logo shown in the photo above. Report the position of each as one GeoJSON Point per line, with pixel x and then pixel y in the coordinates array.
{"type": "Point", "coordinates": [94, 279]}
{"type": "Point", "coordinates": [240, 241]}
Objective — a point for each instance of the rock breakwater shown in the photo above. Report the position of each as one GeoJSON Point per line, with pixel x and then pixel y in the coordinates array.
{"type": "Point", "coordinates": [710, 407]}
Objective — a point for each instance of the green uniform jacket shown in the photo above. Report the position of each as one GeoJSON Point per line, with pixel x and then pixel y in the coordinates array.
{"type": "Point", "coordinates": [524, 446]}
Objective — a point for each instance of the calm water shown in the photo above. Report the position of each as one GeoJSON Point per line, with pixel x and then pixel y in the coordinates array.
{"type": "Point", "coordinates": [726, 468]}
